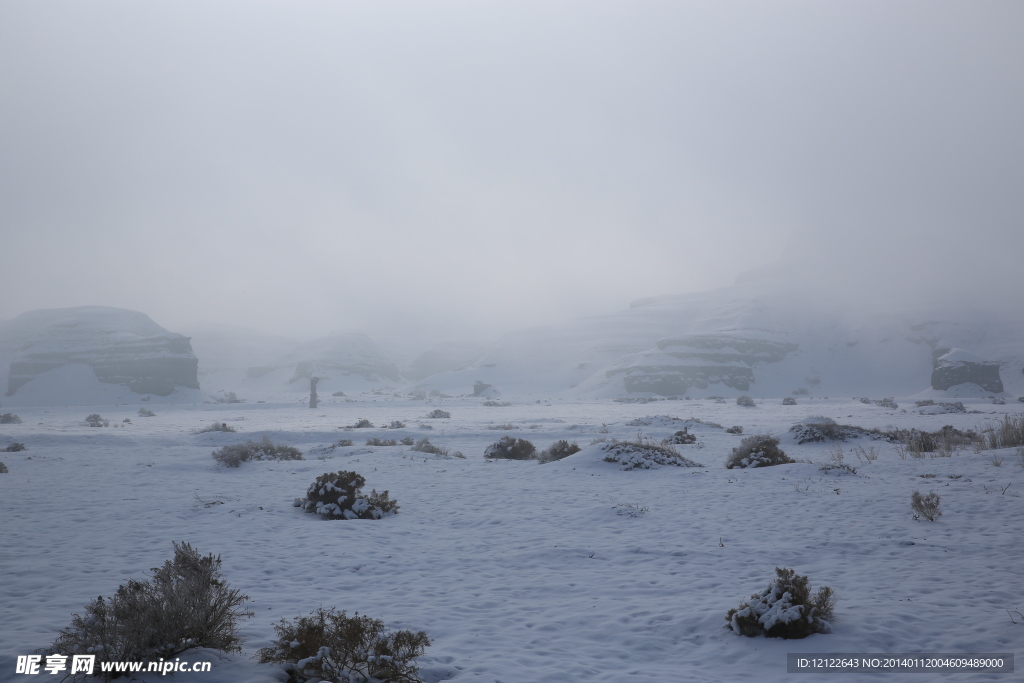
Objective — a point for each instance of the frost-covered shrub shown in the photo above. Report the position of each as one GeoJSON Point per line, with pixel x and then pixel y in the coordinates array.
{"type": "Point", "coordinates": [1009, 433]}
{"type": "Point", "coordinates": [381, 442]}
{"type": "Point", "coordinates": [396, 424]}
{"type": "Point", "coordinates": [745, 401]}
{"type": "Point", "coordinates": [3, 468]}
{"type": "Point", "coordinates": [235, 454]}
{"type": "Point", "coordinates": [216, 427]}
{"type": "Point", "coordinates": [438, 414]}
{"type": "Point", "coordinates": [496, 404]}
{"type": "Point", "coordinates": [229, 397]}
{"type": "Point", "coordinates": [344, 442]}
{"type": "Point", "coordinates": [9, 419]}
{"type": "Point", "coordinates": [145, 412]}
{"type": "Point", "coordinates": [785, 609]}
{"type": "Point", "coordinates": [424, 446]}
{"type": "Point", "coordinates": [362, 423]}
{"type": "Point", "coordinates": [407, 441]}
{"type": "Point", "coordinates": [887, 403]}
{"type": "Point", "coordinates": [511, 448]}
{"type": "Point", "coordinates": [789, 401]}
{"type": "Point", "coordinates": [336, 495]}
{"type": "Point", "coordinates": [330, 646]}
{"type": "Point", "coordinates": [865, 400]}
{"type": "Point", "coordinates": [735, 429]}
{"type": "Point", "coordinates": [926, 506]}
{"type": "Point", "coordinates": [683, 436]}
{"type": "Point", "coordinates": [558, 450]}
{"type": "Point", "coordinates": [95, 420]}
{"type": "Point", "coordinates": [184, 604]}
{"type": "Point", "coordinates": [998, 401]}
{"type": "Point", "coordinates": [644, 455]}
{"type": "Point", "coordinates": [818, 429]}
{"type": "Point", "coordinates": [760, 450]}
{"type": "Point", "coordinates": [14, 447]}
{"type": "Point", "coordinates": [925, 402]}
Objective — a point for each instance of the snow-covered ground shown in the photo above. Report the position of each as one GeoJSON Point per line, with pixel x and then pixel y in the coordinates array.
{"type": "Point", "coordinates": [522, 572]}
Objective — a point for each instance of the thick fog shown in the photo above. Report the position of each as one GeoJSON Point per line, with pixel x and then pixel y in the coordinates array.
{"type": "Point", "coordinates": [462, 169]}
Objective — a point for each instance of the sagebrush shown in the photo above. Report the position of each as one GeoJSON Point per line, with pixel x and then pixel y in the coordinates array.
{"type": "Point", "coordinates": [926, 506]}
{"type": "Point", "coordinates": [438, 414]}
{"type": "Point", "coordinates": [184, 604]}
{"type": "Point", "coordinates": [236, 454]}
{"type": "Point", "coordinates": [785, 609]}
{"type": "Point", "coordinates": [511, 448]}
{"type": "Point", "coordinates": [216, 427]}
{"type": "Point", "coordinates": [338, 495]}
{"type": "Point", "coordinates": [761, 450]}
{"type": "Point", "coordinates": [9, 419]}
{"type": "Point", "coordinates": [558, 450]}
{"type": "Point", "coordinates": [329, 645]}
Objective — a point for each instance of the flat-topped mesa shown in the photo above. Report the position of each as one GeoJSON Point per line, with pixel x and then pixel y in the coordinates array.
{"type": "Point", "coordinates": [956, 366]}
{"type": "Point", "coordinates": [698, 361]}
{"type": "Point", "coordinates": [121, 346]}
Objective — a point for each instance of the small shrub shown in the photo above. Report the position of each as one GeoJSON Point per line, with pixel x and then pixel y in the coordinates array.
{"type": "Point", "coordinates": [735, 429]}
{"type": "Point", "coordinates": [785, 609]}
{"type": "Point", "coordinates": [216, 427]}
{"type": "Point", "coordinates": [925, 402]}
{"type": "Point", "coordinates": [789, 401]}
{"type": "Point", "coordinates": [438, 414]}
{"type": "Point", "coordinates": [396, 424]}
{"type": "Point", "coordinates": [336, 495]}
{"type": "Point", "coordinates": [362, 424]}
{"type": "Point", "coordinates": [95, 420]}
{"type": "Point", "coordinates": [381, 442]}
{"type": "Point", "coordinates": [497, 404]}
{"type": "Point", "coordinates": [9, 419]}
{"type": "Point", "coordinates": [925, 506]}
{"type": "Point", "coordinates": [344, 442]}
{"type": "Point", "coordinates": [866, 401]}
{"type": "Point", "coordinates": [558, 450]}
{"type": "Point", "coordinates": [185, 604]}
{"type": "Point", "coordinates": [511, 448]}
{"type": "Point", "coordinates": [683, 437]}
{"type": "Point", "coordinates": [229, 397]}
{"type": "Point", "coordinates": [236, 454]}
{"type": "Point", "coordinates": [508, 426]}
{"type": "Point", "coordinates": [14, 447]}
{"type": "Point", "coordinates": [887, 403]}
{"type": "Point", "coordinates": [836, 466]}
{"type": "Point", "coordinates": [424, 446]}
{"type": "Point", "coordinates": [1009, 433]}
{"type": "Point", "coordinates": [745, 401]}
{"type": "Point", "coordinates": [3, 468]}
{"type": "Point", "coordinates": [760, 450]}
{"type": "Point", "coordinates": [644, 454]}
{"type": "Point", "coordinates": [998, 402]}
{"type": "Point", "coordinates": [145, 412]}
{"type": "Point", "coordinates": [330, 646]}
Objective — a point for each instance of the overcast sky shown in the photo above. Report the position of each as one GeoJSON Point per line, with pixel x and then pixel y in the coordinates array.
{"type": "Point", "coordinates": [444, 169]}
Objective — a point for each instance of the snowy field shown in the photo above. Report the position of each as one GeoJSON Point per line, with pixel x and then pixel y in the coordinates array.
{"type": "Point", "coordinates": [517, 571]}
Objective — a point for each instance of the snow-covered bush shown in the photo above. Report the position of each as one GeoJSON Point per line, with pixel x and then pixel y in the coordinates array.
{"type": "Point", "coordinates": [785, 609]}
{"type": "Point", "coordinates": [817, 429]}
{"type": "Point", "coordinates": [424, 445]}
{"type": "Point", "coordinates": [344, 442]}
{"type": "Point", "coordinates": [145, 412]}
{"type": "Point", "coordinates": [683, 436]}
{"type": "Point", "coordinates": [9, 419]}
{"type": "Point", "coordinates": [184, 604]}
{"type": "Point", "coordinates": [337, 495]}
{"type": "Point", "coordinates": [735, 429]}
{"type": "Point", "coordinates": [1009, 433]}
{"type": "Point", "coordinates": [381, 442]}
{"type": "Point", "coordinates": [926, 506]}
{"type": "Point", "coordinates": [789, 401]}
{"type": "Point", "coordinates": [511, 448]}
{"type": "Point", "coordinates": [14, 447]}
{"type": "Point", "coordinates": [643, 454]}
{"type": "Point", "coordinates": [745, 401]}
{"type": "Point", "coordinates": [887, 403]}
{"type": "Point", "coordinates": [396, 424]}
{"type": "Point", "coordinates": [228, 397]}
{"type": "Point", "coordinates": [438, 414]}
{"type": "Point", "coordinates": [407, 441]}
{"type": "Point", "coordinates": [330, 646]}
{"type": "Point", "coordinates": [760, 450]}
{"type": "Point", "coordinates": [558, 450]}
{"type": "Point", "coordinates": [361, 423]}
{"type": "Point", "coordinates": [3, 468]}
{"type": "Point", "coordinates": [216, 427]}
{"type": "Point", "coordinates": [95, 420]}
{"type": "Point", "coordinates": [235, 454]}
